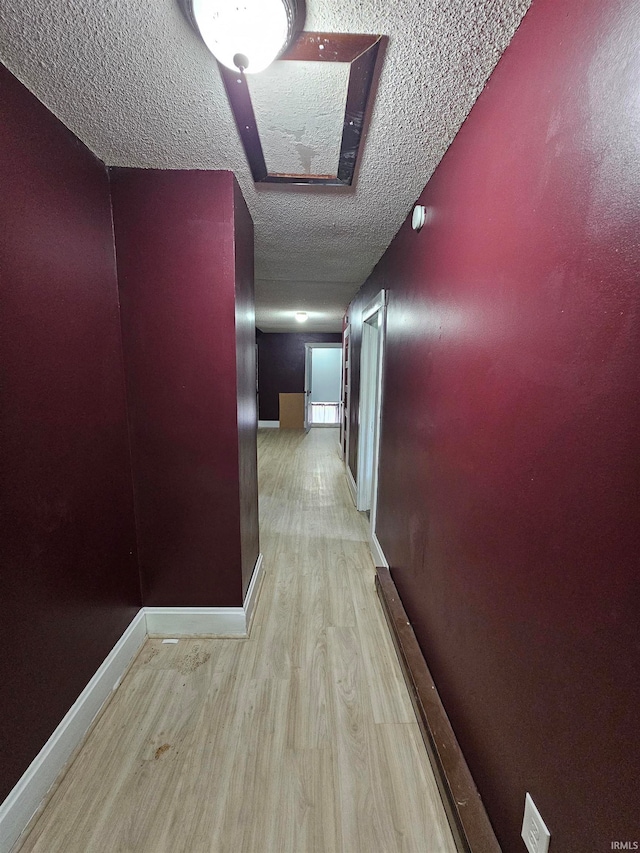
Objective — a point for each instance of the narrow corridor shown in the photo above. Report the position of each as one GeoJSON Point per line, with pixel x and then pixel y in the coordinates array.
{"type": "Point", "coordinates": [301, 739]}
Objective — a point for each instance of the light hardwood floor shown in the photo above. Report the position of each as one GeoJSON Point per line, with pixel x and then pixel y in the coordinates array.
{"type": "Point", "coordinates": [301, 739]}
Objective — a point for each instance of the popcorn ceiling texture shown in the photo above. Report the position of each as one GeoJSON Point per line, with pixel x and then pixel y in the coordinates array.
{"type": "Point", "coordinates": [301, 134]}
{"type": "Point", "coordinates": [133, 81]}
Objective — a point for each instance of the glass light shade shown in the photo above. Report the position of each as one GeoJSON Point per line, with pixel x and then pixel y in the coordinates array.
{"type": "Point", "coordinates": [256, 29]}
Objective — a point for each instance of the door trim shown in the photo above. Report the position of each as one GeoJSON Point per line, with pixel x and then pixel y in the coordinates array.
{"type": "Point", "coordinates": [376, 306]}
{"type": "Point", "coordinates": [345, 395]}
{"type": "Point", "coordinates": [308, 348]}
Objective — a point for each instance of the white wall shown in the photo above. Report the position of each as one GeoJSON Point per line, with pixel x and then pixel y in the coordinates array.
{"type": "Point", "coordinates": [326, 367]}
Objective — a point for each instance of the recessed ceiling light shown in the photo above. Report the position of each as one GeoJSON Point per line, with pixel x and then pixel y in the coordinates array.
{"type": "Point", "coordinates": [302, 316]}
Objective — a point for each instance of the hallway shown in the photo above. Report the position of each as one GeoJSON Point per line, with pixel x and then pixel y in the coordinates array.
{"type": "Point", "coordinates": [301, 739]}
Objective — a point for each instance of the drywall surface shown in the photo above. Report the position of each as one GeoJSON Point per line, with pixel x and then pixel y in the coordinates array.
{"type": "Point", "coordinates": [245, 333]}
{"type": "Point", "coordinates": [68, 569]}
{"type": "Point", "coordinates": [175, 246]}
{"type": "Point", "coordinates": [510, 464]}
{"type": "Point", "coordinates": [281, 366]}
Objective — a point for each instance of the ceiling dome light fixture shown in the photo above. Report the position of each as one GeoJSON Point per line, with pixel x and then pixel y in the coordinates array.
{"type": "Point", "coordinates": [302, 316]}
{"type": "Point", "coordinates": [247, 34]}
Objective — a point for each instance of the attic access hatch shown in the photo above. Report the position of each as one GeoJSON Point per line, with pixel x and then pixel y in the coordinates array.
{"type": "Point", "coordinates": [299, 108]}
{"type": "Point", "coordinates": [360, 53]}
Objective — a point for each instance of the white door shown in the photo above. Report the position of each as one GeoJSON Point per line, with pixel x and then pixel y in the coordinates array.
{"type": "Point", "coordinates": [371, 360]}
{"type": "Point", "coordinates": [308, 356]}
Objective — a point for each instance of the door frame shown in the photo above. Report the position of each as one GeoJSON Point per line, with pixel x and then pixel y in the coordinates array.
{"type": "Point", "coordinates": [345, 395]}
{"type": "Point", "coordinates": [374, 372]}
{"type": "Point", "coordinates": [308, 357]}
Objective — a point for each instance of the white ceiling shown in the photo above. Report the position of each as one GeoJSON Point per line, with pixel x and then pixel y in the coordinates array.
{"type": "Point", "coordinates": [299, 109]}
{"type": "Point", "coordinates": [133, 81]}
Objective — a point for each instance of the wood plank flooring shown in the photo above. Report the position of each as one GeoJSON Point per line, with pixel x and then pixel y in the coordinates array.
{"type": "Point", "coordinates": [301, 739]}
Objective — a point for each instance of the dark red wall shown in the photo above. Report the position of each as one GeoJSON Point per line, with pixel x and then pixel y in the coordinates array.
{"type": "Point", "coordinates": [510, 466]}
{"type": "Point", "coordinates": [176, 253]}
{"type": "Point", "coordinates": [70, 584]}
{"type": "Point", "coordinates": [281, 366]}
{"type": "Point", "coordinates": [246, 377]}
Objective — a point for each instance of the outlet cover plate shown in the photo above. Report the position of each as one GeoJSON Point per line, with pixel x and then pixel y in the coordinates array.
{"type": "Point", "coordinates": [535, 834]}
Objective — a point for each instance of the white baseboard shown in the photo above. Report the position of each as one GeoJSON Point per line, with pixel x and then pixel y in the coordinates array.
{"type": "Point", "coordinates": [196, 621]}
{"type": "Point", "coordinates": [377, 553]}
{"type": "Point", "coordinates": [352, 485]}
{"type": "Point", "coordinates": [25, 798]}
{"type": "Point", "coordinates": [206, 621]}
{"type": "Point", "coordinates": [268, 424]}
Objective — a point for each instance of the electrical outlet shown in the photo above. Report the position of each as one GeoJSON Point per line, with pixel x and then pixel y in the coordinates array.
{"type": "Point", "coordinates": [535, 834]}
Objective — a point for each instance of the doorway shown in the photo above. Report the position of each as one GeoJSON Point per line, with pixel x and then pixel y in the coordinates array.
{"type": "Point", "coordinates": [322, 384]}
{"type": "Point", "coordinates": [371, 364]}
{"type": "Point", "coordinates": [345, 395]}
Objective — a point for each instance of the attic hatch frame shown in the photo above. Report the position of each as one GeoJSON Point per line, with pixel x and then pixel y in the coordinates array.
{"type": "Point", "coordinates": [361, 52]}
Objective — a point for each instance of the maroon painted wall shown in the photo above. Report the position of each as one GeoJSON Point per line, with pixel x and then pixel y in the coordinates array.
{"type": "Point", "coordinates": [510, 466]}
{"type": "Point", "coordinates": [70, 584]}
{"type": "Point", "coordinates": [246, 384]}
{"type": "Point", "coordinates": [176, 251]}
{"type": "Point", "coordinates": [281, 366]}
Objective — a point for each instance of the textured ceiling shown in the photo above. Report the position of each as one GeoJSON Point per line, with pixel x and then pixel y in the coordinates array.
{"type": "Point", "coordinates": [299, 109]}
{"type": "Point", "coordinates": [133, 81]}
